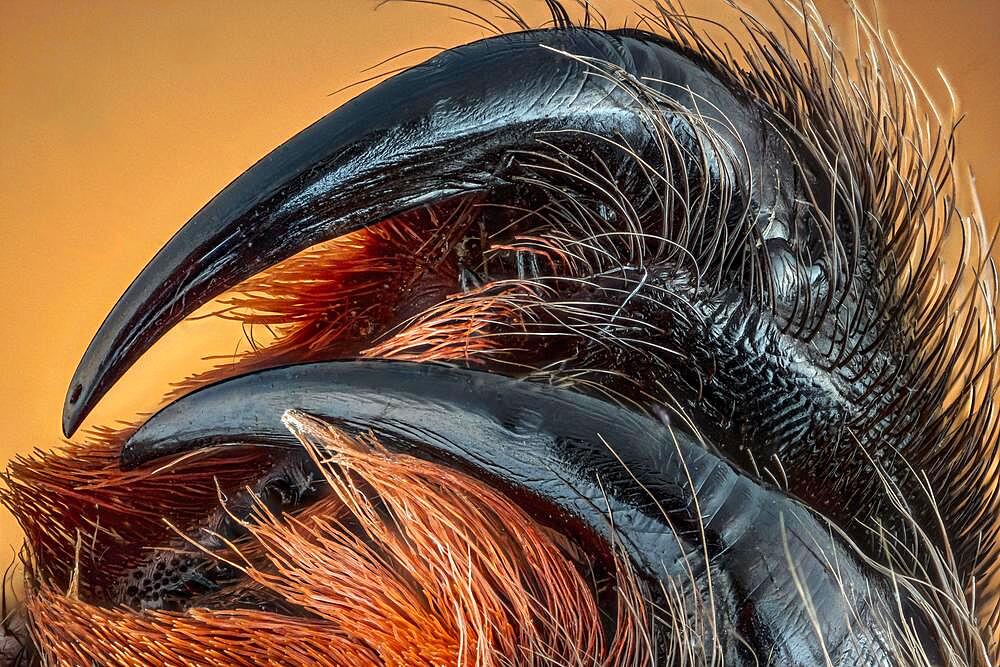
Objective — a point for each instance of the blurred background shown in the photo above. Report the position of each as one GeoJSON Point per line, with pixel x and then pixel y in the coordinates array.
{"type": "Point", "coordinates": [120, 119]}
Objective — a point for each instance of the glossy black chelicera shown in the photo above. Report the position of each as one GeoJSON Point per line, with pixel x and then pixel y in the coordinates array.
{"type": "Point", "coordinates": [759, 315]}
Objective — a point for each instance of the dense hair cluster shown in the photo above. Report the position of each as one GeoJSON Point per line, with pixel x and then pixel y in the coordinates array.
{"type": "Point", "coordinates": [887, 229]}
{"type": "Point", "coordinates": [406, 562]}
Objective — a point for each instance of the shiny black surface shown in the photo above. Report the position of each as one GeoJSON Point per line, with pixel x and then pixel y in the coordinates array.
{"type": "Point", "coordinates": [451, 126]}
{"type": "Point", "coordinates": [601, 473]}
{"type": "Point", "coordinates": [796, 360]}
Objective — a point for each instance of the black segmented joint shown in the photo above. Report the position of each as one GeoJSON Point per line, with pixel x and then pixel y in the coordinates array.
{"type": "Point", "coordinates": [605, 474]}
{"type": "Point", "coordinates": [452, 126]}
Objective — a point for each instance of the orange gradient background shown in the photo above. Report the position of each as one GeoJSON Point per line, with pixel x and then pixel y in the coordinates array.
{"type": "Point", "coordinates": [120, 119]}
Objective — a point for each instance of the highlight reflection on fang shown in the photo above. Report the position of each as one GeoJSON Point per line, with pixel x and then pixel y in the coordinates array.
{"type": "Point", "coordinates": [593, 346]}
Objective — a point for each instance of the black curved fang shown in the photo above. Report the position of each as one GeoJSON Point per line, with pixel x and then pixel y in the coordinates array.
{"type": "Point", "coordinates": [575, 461]}
{"type": "Point", "coordinates": [443, 128]}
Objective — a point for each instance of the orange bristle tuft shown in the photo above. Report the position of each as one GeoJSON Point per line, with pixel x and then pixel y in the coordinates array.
{"type": "Point", "coordinates": [78, 501]}
{"type": "Point", "coordinates": [406, 563]}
